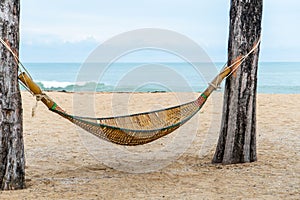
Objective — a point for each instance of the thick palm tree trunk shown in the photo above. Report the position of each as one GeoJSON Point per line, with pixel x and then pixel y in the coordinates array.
{"type": "Point", "coordinates": [237, 140]}
{"type": "Point", "coordinates": [12, 162]}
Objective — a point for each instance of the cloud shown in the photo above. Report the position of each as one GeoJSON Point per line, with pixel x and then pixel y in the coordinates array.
{"type": "Point", "coordinates": [58, 23]}
{"type": "Point", "coordinates": [52, 49]}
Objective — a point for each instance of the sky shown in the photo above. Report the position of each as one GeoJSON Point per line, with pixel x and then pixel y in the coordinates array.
{"type": "Point", "coordinates": [68, 31]}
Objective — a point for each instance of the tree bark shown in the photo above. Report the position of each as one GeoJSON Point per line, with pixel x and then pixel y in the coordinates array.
{"type": "Point", "coordinates": [12, 161]}
{"type": "Point", "coordinates": [237, 140]}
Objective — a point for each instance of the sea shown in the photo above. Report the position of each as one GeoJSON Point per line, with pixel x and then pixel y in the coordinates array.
{"type": "Point", "coordinates": [273, 77]}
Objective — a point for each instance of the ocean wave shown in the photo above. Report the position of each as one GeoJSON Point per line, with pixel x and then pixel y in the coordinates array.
{"type": "Point", "coordinates": [101, 87]}
{"type": "Point", "coordinates": [70, 86]}
{"type": "Point", "coordinates": [54, 84]}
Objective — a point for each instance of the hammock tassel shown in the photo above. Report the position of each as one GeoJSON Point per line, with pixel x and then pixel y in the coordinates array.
{"type": "Point", "coordinates": [37, 92]}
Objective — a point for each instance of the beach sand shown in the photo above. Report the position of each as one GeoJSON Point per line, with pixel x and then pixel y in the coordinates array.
{"type": "Point", "coordinates": [59, 164]}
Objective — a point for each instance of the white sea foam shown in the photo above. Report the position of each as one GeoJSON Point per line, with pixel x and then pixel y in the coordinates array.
{"type": "Point", "coordinates": [55, 84]}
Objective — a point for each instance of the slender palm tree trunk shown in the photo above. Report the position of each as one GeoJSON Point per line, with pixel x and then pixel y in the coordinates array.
{"type": "Point", "coordinates": [237, 140]}
{"type": "Point", "coordinates": [12, 161]}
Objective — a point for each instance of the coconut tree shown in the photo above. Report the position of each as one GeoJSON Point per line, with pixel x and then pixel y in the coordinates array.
{"type": "Point", "coordinates": [237, 140]}
{"type": "Point", "coordinates": [12, 162]}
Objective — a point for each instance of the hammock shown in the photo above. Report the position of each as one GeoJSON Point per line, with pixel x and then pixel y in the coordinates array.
{"type": "Point", "coordinates": [136, 129]}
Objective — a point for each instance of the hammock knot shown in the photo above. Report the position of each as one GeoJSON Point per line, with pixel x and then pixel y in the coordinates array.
{"type": "Point", "coordinates": [215, 86]}
{"type": "Point", "coordinates": [39, 97]}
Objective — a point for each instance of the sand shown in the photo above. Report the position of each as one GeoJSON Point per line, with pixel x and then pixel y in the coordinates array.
{"type": "Point", "coordinates": [60, 165]}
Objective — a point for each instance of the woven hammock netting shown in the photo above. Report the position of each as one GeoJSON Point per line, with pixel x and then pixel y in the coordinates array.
{"type": "Point", "coordinates": [139, 128]}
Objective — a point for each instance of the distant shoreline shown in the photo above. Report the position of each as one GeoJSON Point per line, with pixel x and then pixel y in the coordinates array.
{"type": "Point", "coordinates": [272, 78]}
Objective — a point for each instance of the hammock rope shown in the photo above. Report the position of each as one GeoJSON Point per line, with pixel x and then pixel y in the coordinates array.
{"type": "Point", "coordinates": [135, 129]}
